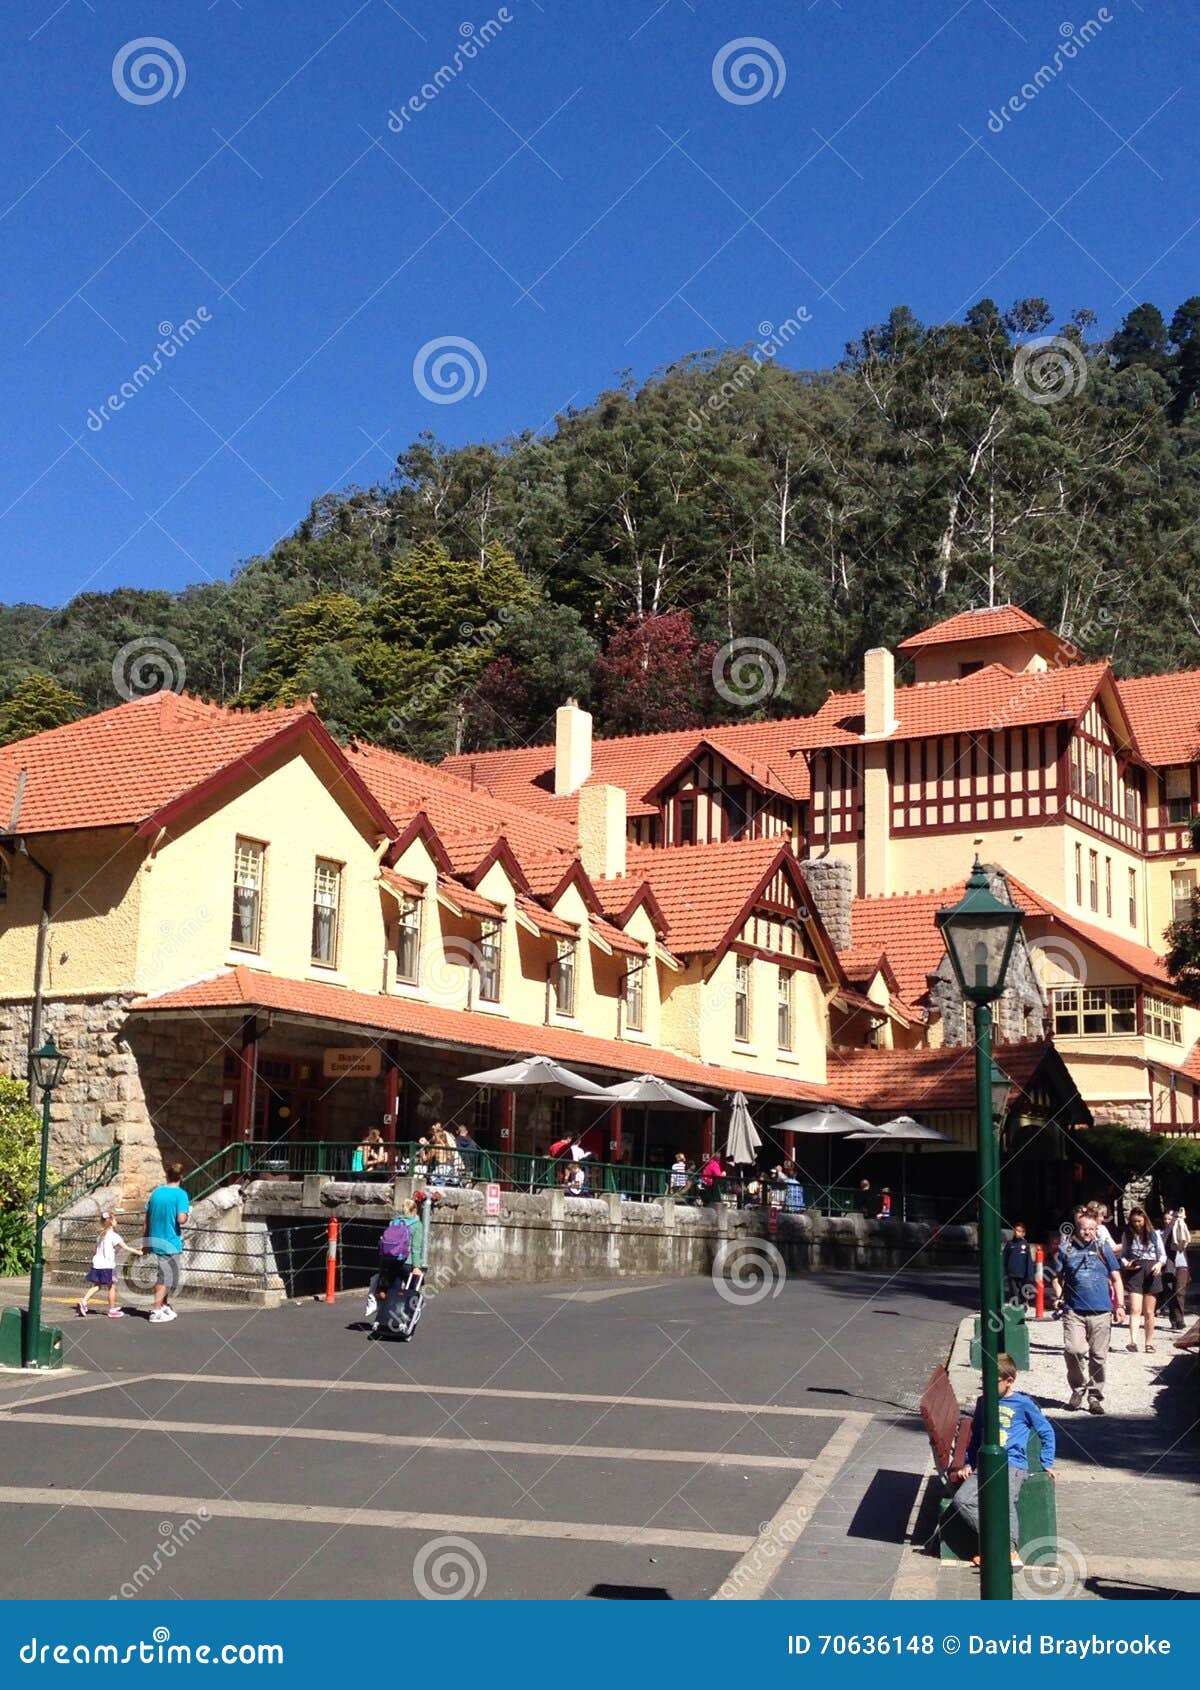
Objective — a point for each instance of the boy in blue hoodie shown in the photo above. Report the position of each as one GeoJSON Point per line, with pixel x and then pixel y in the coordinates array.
{"type": "Point", "coordinates": [1019, 1415]}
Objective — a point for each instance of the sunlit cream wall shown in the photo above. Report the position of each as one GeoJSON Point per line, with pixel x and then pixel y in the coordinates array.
{"type": "Point", "coordinates": [96, 896]}
{"type": "Point", "coordinates": [187, 884]}
{"type": "Point", "coordinates": [698, 1019]}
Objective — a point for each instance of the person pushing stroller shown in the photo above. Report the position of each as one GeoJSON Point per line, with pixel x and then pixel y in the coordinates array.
{"type": "Point", "coordinates": [395, 1296]}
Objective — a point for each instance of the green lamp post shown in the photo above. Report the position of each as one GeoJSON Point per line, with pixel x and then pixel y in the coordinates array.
{"type": "Point", "coordinates": [46, 1069]}
{"type": "Point", "coordinates": [979, 934]}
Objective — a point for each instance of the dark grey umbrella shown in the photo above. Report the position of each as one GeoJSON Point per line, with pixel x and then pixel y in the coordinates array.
{"type": "Point", "coordinates": [903, 1130]}
{"type": "Point", "coordinates": [829, 1124]}
{"type": "Point", "coordinates": [654, 1093]}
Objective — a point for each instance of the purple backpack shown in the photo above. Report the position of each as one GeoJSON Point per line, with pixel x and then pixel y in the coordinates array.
{"type": "Point", "coordinates": [396, 1241]}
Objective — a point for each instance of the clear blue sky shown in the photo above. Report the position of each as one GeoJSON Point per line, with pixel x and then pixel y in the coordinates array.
{"type": "Point", "coordinates": [578, 202]}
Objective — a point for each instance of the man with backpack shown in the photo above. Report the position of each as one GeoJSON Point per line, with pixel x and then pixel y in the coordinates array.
{"type": "Point", "coordinates": [1087, 1279]}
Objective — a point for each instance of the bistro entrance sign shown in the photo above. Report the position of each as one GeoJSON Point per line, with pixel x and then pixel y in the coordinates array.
{"type": "Point", "coordinates": [351, 1062]}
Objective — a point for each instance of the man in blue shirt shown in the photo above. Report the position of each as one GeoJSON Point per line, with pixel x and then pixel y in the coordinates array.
{"type": "Point", "coordinates": [1087, 1277]}
{"type": "Point", "coordinates": [1019, 1416]}
{"type": "Point", "coordinates": [166, 1212]}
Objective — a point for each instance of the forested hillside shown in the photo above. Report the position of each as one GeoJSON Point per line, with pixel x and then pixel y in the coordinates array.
{"type": "Point", "coordinates": [727, 497]}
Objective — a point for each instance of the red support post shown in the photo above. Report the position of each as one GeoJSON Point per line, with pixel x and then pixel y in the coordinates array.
{"type": "Point", "coordinates": [247, 1059]}
{"type": "Point", "coordinates": [710, 1136]}
{"type": "Point", "coordinates": [616, 1121]}
{"type": "Point", "coordinates": [507, 1117]}
{"type": "Point", "coordinates": [331, 1258]}
{"type": "Point", "coordinates": [1039, 1280]}
{"type": "Point", "coordinates": [391, 1103]}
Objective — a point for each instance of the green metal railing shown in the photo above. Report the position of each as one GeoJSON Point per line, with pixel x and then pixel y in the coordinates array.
{"type": "Point", "coordinates": [101, 1170]}
{"type": "Point", "coordinates": [514, 1170]}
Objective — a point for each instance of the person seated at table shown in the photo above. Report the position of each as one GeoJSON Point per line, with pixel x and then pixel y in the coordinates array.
{"type": "Point", "coordinates": [371, 1157]}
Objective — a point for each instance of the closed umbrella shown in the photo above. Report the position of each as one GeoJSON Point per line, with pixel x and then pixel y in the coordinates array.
{"type": "Point", "coordinates": [828, 1124]}
{"type": "Point", "coordinates": [743, 1138]}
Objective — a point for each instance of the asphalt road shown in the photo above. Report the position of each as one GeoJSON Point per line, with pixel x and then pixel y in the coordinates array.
{"type": "Point", "coordinates": [628, 1438]}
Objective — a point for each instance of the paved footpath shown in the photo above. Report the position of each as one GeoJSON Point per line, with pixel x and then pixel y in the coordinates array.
{"type": "Point", "coordinates": [632, 1438]}
{"type": "Point", "coordinates": [1128, 1492]}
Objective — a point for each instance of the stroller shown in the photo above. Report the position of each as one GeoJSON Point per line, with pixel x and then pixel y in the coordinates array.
{"type": "Point", "coordinates": [399, 1294]}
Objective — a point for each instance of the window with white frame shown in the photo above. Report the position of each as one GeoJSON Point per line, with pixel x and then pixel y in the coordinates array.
{"type": "Point", "coordinates": [564, 978]}
{"type": "Point", "coordinates": [1133, 898]}
{"type": "Point", "coordinates": [1094, 1011]}
{"type": "Point", "coordinates": [1094, 879]}
{"type": "Point", "coordinates": [1164, 1020]}
{"type": "Point", "coordinates": [1179, 797]}
{"type": "Point", "coordinates": [741, 1000]}
{"type": "Point", "coordinates": [408, 942]}
{"type": "Point", "coordinates": [488, 972]}
{"type": "Point", "coordinates": [784, 1012]}
{"type": "Point", "coordinates": [327, 899]}
{"type": "Point", "coordinates": [246, 928]}
{"type": "Point", "coordinates": [634, 995]}
{"type": "Point", "coordinates": [1108, 885]}
{"type": "Point", "coordinates": [1079, 874]}
{"type": "Point", "coordinates": [1183, 884]}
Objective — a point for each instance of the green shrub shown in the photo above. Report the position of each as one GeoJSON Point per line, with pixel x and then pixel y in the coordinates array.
{"type": "Point", "coordinates": [20, 1146]}
{"type": "Point", "coordinates": [16, 1244]}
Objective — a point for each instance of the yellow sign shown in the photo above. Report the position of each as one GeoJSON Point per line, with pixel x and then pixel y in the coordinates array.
{"type": "Point", "coordinates": [352, 1062]}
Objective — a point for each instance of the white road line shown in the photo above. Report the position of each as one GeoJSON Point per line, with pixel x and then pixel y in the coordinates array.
{"type": "Point", "coordinates": [602, 1296]}
{"type": "Point", "coordinates": [392, 1519]}
{"type": "Point", "coordinates": [80, 1390]}
{"type": "Point", "coordinates": [750, 1578]}
{"type": "Point", "coordinates": [603, 1452]}
{"type": "Point", "coordinates": [431, 1390]}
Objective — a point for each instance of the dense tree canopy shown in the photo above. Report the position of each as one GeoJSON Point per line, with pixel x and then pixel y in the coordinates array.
{"type": "Point", "coordinates": [1007, 456]}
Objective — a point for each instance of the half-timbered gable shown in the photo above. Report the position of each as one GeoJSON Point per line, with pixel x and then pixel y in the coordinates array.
{"type": "Point", "coordinates": [709, 797]}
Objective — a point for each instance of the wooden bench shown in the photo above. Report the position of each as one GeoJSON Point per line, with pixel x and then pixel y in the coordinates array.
{"type": "Point", "coordinates": [948, 1427]}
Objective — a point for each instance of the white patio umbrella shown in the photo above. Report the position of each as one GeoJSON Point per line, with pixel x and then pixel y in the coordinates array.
{"type": "Point", "coordinates": [828, 1124]}
{"type": "Point", "coordinates": [743, 1138]}
{"type": "Point", "coordinates": [536, 1073]}
{"type": "Point", "coordinates": [903, 1130]}
{"type": "Point", "coordinates": [651, 1093]}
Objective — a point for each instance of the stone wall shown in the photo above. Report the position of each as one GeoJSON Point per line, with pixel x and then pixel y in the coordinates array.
{"type": "Point", "coordinates": [831, 882]}
{"type": "Point", "coordinates": [1123, 1112]}
{"type": "Point", "coordinates": [101, 1098]}
{"type": "Point", "coordinates": [1019, 1015]}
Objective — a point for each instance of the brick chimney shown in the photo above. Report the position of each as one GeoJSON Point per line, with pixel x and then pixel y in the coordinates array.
{"type": "Point", "coordinates": [572, 748]}
{"type": "Point", "coordinates": [879, 684]}
{"type": "Point", "coordinates": [602, 831]}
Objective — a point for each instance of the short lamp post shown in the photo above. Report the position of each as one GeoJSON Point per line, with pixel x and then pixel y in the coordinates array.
{"type": "Point", "coordinates": [46, 1069]}
{"type": "Point", "coordinates": [979, 935]}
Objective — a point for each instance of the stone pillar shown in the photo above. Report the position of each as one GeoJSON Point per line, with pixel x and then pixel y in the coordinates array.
{"type": "Point", "coordinates": [830, 880]}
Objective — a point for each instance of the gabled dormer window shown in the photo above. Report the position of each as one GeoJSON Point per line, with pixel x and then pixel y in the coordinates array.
{"type": "Point", "coordinates": [634, 995]}
{"type": "Point", "coordinates": [741, 1001]}
{"type": "Point", "coordinates": [246, 928]}
{"type": "Point", "coordinates": [408, 942]}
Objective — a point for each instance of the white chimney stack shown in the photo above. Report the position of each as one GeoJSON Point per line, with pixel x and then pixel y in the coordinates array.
{"type": "Point", "coordinates": [572, 748]}
{"type": "Point", "coordinates": [602, 831]}
{"type": "Point", "coordinates": [879, 680]}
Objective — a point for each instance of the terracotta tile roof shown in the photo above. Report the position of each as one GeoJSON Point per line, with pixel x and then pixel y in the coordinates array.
{"type": "Point", "coordinates": [638, 763]}
{"type": "Point", "coordinates": [900, 928]}
{"type": "Point", "coordinates": [978, 625]}
{"type": "Point", "coordinates": [1192, 1066]}
{"type": "Point", "coordinates": [620, 941]}
{"type": "Point", "coordinates": [700, 888]}
{"type": "Point", "coordinates": [991, 698]}
{"type": "Point", "coordinates": [546, 921]}
{"type": "Point", "coordinates": [123, 765]}
{"type": "Point", "coordinates": [1165, 713]}
{"type": "Point", "coordinates": [916, 1080]}
{"type": "Point", "coordinates": [402, 883]}
{"type": "Point", "coordinates": [1139, 960]}
{"type": "Point", "coordinates": [468, 900]}
{"type": "Point", "coordinates": [468, 823]}
{"type": "Point", "coordinates": [377, 1013]}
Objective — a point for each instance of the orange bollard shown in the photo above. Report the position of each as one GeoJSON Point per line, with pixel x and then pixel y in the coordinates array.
{"type": "Point", "coordinates": [331, 1256]}
{"type": "Point", "coordinates": [1039, 1303]}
